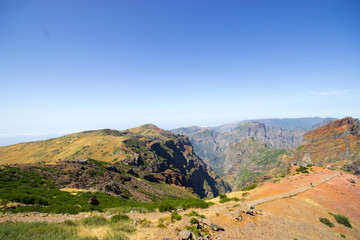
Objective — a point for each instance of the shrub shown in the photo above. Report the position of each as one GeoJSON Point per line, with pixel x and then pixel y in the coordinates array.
{"type": "Point", "coordinates": [175, 216]}
{"type": "Point", "coordinates": [229, 199]}
{"type": "Point", "coordinates": [249, 187]}
{"type": "Point", "coordinates": [193, 213]}
{"type": "Point", "coordinates": [302, 169]}
{"type": "Point", "coordinates": [342, 220]}
{"type": "Point", "coordinates": [223, 196]}
{"type": "Point", "coordinates": [327, 222]}
{"type": "Point", "coordinates": [342, 235]}
{"type": "Point", "coordinates": [194, 221]}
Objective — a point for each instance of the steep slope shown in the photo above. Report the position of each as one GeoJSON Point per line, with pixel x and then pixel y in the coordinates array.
{"type": "Point", "coordinates": [152, 153]}
{"type": "Point", "coordinates": [215, 147]}
{"type": "Point", "coordinates": [334, 142]}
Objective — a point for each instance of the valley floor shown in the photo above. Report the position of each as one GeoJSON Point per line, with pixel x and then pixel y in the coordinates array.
{"type": "Point", "coordinates": [293, 215]}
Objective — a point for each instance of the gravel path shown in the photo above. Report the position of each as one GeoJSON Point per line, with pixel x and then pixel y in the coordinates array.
{"type": "Point", "coordinates": [291, 193]}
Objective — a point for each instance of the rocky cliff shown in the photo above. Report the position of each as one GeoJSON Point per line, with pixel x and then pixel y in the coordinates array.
{"type": "Point", "coordinates": [334, 142]}
{"type": "Point", "coordinates": [148, 152]}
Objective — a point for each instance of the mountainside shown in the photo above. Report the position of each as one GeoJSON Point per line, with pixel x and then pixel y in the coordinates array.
{"type": "Point", "coordinates": [146, 152]}
{"type": "Point", "coordinates": [334, 142]}
{"type": "Point", "coordinates": [285, 123]}
{"type": "Point", "coordinates": [219, 150]}
{"type": "Point", "coordinates": [248, 159]}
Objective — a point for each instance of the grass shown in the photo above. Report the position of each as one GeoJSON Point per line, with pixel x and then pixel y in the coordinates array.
{"type": "Point", "coordinates": [327, 222]}
{"type": "Point", "coordinates": [341, 219]}
{"type": "Point", "coordinates": [193, 213]}
{"type": "Point", "coordinates": [39, 231]}
{"type": "Point", "coordinates": [248, 188]}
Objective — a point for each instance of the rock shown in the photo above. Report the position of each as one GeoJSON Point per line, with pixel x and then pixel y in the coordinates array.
{"type": "Point", "coordinates": [205, 222]}
{"type": "Point", "coordinates": [250, 212]}
{"type": "Point", "coordinates": [150, 178]}
{"type": "Point", "coordinates": [216, 227]}
{"type": "Point", "coordinates": [185, 235]}
{"type": "Point", "coordinates": [93, 201]}
{"type": "Point", "coordinates": [252, 207]}
{"type": "Point", "coordinates": [135, 222]}
{"type": "Point", "coordinates": [132, 172]}
{"type": "Point", "coordinates": [351, 180]}
{"type": "Point", "coordinates": [239, 217]}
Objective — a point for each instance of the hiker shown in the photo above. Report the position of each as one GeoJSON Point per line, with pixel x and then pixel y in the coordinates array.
{"type": "Point", "coordinates": [311, 183]}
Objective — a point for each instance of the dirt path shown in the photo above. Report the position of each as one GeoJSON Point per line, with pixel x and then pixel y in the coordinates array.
{"type": "Point", "coordinates": [291, 193]}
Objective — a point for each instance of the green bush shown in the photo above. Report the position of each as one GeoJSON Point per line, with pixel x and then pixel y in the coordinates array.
{"type": "Point", "coordinates": [249, 187]}
{"type": "Point", "coordinates": [342, 220]}
{"type": "Point", "coordinates": [193, 213]}
{"type": "Point", "coordinates": [327, 222]}
{"type": "Point", "coordinates": [175, 216]}
{"type": "Point", "coordinates": [223, 196]}
{"type": "Point", "coordinates": [302, 169]}
{"type": "Point", "coordinates": [194, 221]}
{"type": "Point", "coordinates": [342, 235]}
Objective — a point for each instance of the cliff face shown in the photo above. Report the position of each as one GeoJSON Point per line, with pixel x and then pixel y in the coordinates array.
{"type": "Point", "coordinates": [336, 141]}
{"type": "Point", "coordinates": [234, 154]}
{"type": "Point", "coordinates": [151, 153]}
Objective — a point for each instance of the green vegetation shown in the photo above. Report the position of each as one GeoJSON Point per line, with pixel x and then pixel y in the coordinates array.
{"type": "Point", "coordinates": [342, 235]}
{"type": "Point", "coordinates": [38, 231]}
{"type": "Point", "coordinates": [269, 155]}
{"type": "Point", "coordinates": [193, 213]}
{"type": "Point", "coordinates": [194, 221]}
{"type": "Point", "coordinates": [224, 198]}
{"type": "Point", "coordinates": [38, 193]}
{"type": "Point", "coordinates": [302, 169]}
{"type": "Point", "coordinates": [248, 188]}
{"type": "Point", "coordinates": [327, 222]}
{"type": "Point", "coordinates": [175, 216]}
{"type": "Point", "coordinates": [66, 230]}
{"type": "Point", "coordinates": [299, 148]}
{"type": "Point", "coordinates": [341, 219]}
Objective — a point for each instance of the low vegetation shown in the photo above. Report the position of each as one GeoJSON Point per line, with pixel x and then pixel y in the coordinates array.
{"type": "Point", "coordinates": [116, 228]}
{"type": "Point", "coordinates": [302, 169]}
{"type": "Point", "coordinates": [248, 188]}
{"type": "Point", "coordinates": [224, 198]}
{"type": "Point", "coordinates": [327, 222]}
{"type": "Point", "coordinates": [342, 220]}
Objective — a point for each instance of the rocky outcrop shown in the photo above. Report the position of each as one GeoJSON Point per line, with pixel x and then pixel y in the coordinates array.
{"type": "Point", "coordinates": [336, 141]}
{"type": "Point", "coordinates": [146, 152]}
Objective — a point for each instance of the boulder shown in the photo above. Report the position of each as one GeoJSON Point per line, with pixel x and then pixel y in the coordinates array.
{"type": "Point", "coordinates": [93, 201]}
{"type": "Point", "coordinates": [185, 235]}
{"type": "Point", "coordinates": [216, 227]}
{"type": "Point", "coordinates": [351, 180]}
{"type": "Point", "coordinates": [239, 217]}
{"type": "Point", "coordinates": [250, 212]}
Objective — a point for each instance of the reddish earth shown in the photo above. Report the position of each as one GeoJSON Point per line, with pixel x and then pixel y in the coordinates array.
{"type": "Point", "coordinates": [282, 218]}
{"type": "Point", "coordinates": [336, 141]}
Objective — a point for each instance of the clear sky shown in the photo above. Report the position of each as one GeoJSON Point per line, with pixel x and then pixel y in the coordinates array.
{"type": "Point", "coordinates": [72, 65]}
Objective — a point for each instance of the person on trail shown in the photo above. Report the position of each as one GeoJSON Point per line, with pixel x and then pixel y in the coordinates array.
{"type": "Point", "coordinates": [311, 184]}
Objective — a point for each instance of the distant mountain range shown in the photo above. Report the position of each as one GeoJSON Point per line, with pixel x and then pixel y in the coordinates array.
{"type": "Point", "coordinates": [219, 146]}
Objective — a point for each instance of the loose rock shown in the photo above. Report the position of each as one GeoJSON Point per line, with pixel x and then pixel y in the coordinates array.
{"type": "Point", "coordinates": [185, 235]}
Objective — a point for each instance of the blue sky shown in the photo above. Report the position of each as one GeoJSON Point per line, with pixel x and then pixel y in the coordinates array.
{"type": "Point", "coordinates": [72, 65]}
